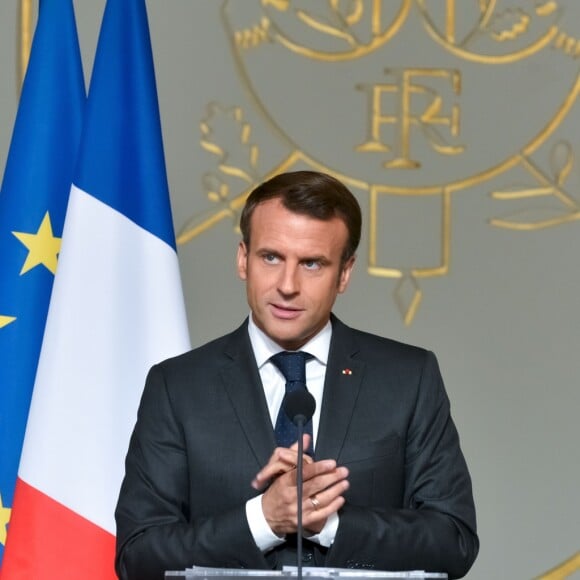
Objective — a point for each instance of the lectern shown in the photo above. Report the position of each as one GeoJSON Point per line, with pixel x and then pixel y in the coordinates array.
{"type": "Point", "coordinates": [290, 572]}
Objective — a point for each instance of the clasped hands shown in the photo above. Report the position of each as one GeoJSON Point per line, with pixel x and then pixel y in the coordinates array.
{"type": "Point", "coordinates": [323, 486]}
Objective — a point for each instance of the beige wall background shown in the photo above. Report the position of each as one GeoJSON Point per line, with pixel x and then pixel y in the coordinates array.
{"type": "Point", "coordinates": [499, 305]}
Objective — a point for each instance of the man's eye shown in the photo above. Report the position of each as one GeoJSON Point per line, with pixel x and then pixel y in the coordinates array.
{"type": "Point", "coordinates": [271, 258]}
{"type": "Point", "coordinates": [312, 265]}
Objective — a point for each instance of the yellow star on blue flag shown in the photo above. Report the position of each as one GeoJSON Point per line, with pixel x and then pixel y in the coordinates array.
{"type": "Point", "coordinates": [4, 519]}
{"type": "Point", "coordinates": [5, 320]}
{"type": "Point", "coordinates": [43, 247]}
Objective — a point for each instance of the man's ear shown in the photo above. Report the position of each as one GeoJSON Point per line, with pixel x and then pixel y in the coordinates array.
{"type": "Point", "coordinates": [344, 277]}
{"type": "Point", "coordinates": [242, 260]}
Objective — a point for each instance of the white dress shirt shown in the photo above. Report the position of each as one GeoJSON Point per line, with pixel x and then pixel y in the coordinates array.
{"type": "Point", "coordinates": [274, 385]}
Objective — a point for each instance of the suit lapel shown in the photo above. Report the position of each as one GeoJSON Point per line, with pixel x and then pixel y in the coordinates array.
{"type": "Point", "coordinates": [243, 385]}
{"type": "Point", "coordinates": [344, 375]}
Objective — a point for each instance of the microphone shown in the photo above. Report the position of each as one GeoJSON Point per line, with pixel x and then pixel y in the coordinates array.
{"type": "Point", "coordinates": [299, 405]}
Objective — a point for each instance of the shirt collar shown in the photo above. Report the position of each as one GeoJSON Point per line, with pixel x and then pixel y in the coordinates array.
{"type": "Point", "coordinates": [264, 347]}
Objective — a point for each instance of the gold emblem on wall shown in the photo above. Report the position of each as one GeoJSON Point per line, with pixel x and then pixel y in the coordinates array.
{"type": "Point", "coordinates": [410, 103]}
{"type": "Point", "coordinates": [563, 570]}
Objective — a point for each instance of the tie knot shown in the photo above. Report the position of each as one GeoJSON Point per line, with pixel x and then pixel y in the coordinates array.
{"type": "Point", "coordinates": [292, 365]}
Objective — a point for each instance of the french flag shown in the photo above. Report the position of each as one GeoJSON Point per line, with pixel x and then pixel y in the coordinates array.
{"type": "Point", "coordinates": [116, 309]}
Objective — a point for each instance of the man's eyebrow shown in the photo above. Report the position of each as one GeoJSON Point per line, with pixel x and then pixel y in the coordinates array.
{"type": "Point", "coordinates": [268, 251]}
{"type": "Point", "coordinates": [320, 258]}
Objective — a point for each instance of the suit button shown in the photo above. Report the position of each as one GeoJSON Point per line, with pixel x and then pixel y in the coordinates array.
{"type": "Point", "coordinates": [307, 557]}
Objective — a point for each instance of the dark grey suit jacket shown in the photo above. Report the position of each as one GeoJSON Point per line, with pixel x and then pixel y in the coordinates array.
{"type": "Point", "coordinates": [203, 432]}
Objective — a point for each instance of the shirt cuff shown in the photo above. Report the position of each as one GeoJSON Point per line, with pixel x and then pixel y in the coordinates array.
{"type": "Point", "coordinates": [263, 535]}
{"type": "Point", "coordinates": [327, 534]}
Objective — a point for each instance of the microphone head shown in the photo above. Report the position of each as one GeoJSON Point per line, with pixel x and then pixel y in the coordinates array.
{"type": "Point", "coordinates": [299, 405]}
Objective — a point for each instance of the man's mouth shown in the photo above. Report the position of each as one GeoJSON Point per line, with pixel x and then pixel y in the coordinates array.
{"type": "Point", "coordinates": [284, 311]}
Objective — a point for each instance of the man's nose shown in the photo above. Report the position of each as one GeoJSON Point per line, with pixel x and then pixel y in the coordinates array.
{"type": "Point", "coordinates": [288, 283]}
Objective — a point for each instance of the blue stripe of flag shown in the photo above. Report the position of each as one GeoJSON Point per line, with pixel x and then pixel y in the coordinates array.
{"type": "Point", "coordinates": [122, 131]}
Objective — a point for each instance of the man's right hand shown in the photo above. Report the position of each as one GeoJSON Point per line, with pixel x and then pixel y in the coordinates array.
{"type": "Point", "coordinates": [324, 484]}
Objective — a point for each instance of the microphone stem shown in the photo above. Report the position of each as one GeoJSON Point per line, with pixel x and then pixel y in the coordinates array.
{"type": "Point", "coordinates": [299, 477]}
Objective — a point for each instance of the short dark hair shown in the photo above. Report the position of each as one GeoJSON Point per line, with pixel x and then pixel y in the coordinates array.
{"type": "Point", "coordinates": [309, 193]}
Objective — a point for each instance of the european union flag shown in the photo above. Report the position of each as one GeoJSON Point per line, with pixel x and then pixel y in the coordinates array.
{"type": "Point", "coordinates": [33, 200]}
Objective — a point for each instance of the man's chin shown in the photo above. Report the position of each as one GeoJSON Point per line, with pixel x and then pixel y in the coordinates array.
{"type": "Point", "coordinates": [286, 339]}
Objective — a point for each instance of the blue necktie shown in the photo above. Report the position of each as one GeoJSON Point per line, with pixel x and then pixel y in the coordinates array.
{"type": "Point", "coordinates": [293, 366]}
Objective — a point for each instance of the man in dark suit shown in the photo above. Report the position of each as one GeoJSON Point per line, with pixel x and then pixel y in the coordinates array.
{"type": "Point", "coordinates": [206, 484]}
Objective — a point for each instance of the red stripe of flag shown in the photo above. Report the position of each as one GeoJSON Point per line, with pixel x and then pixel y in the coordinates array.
{"type": "Point", "coordinates": [52, 542]}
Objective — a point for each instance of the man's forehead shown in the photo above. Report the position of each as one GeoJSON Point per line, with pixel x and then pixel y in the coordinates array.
{"type": "Point", "coordinates": [274, 209]}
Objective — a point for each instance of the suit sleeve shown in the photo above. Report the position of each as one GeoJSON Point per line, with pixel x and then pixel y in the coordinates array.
{"type": "Point", "coordinates": [434, 528]}
{"type": "Point", "coordinates": [156, 530]}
